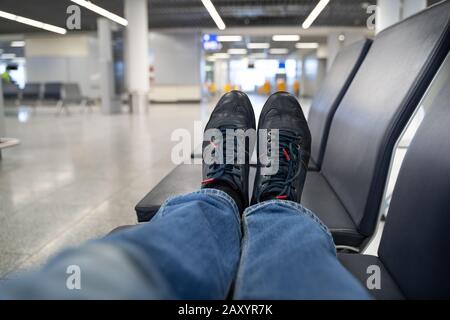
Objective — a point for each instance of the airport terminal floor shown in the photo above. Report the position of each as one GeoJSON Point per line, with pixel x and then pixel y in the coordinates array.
{"type": "Point", "coordinates": [78, 177]}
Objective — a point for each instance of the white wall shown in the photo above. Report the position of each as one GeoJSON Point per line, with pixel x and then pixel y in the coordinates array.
{"type": "Point", "coordinates": [57, 46]}
{"type": "Point", "coordinates": [175, 57]}
{"type": "Point", "coordinates": [64, 59]}
{"type": "Point", "coordinates": [136, 47]}
{"type": "Point", "coordinates": [313, 73]}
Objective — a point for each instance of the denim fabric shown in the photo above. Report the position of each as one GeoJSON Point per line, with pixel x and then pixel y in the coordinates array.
{"type": "Point", "coordinates": [288, 253]}
{"type": "Point", "coordinates": [192, 250]}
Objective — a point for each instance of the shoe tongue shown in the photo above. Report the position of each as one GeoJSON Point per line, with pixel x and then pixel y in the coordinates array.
{"type": "Point", "coordinates": [228, 180]}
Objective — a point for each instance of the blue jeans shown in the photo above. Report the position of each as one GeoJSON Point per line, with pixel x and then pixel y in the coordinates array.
{"type": "Point", "coordinates": [197, 248]}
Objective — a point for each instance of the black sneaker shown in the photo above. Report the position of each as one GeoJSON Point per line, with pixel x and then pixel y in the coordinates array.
{"type": "Point", "coordinates": [233, 111]}
{"type": "Point", "coordinates": [283, 112]}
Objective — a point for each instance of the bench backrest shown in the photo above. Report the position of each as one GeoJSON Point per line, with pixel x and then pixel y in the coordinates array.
{"type": "Point", "coordinates": [389, 85]}
{"type": "Point", "coordinates": [416, 238]}
{"type": "Point", "coordinates": [330, 95]}
{"type": "Point", "coordinates": [32, 91]}
{"type": "Point", "coordinates": [53, 91]}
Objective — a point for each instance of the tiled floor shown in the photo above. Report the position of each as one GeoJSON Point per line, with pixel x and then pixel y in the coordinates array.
{"type": "Point", "coordinates": [77, 177]}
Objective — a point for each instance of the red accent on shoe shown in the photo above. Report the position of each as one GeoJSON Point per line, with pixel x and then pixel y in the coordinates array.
{"type": "Point", "coordinates": [286, 155]}
{"type": "Point", "coordinates": [208, 181]}
{"type": "Point", "coordinates": [282, 197]}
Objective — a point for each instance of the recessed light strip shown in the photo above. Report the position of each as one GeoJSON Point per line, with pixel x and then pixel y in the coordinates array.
{"type": "Point", "coordinates": [8, 56]}
{"type": "Point", "coordinates": [237, 51]}
{"type": "Point", "coordinates": [33, 23]}
{"type": "Point", "coordinates": [103, 12]}
{"type": "Point", "coordinates": [307, 45]}
{"type": "Point", "coordinates": [17, 44]}
{"type": "Point", "coordinates": [214, 14]}
{"type": "Point", "coordinates": [279, 51]}
{"type": "Point", "coordinates": [255, 45]}
{"type": "Point", "coordinates": [286, 37]}
{"type": "Point", "coordinates": [315, 13]}
{"type": "Point", "coordinates": [229, 38]}
{"type": "Point", "coordinates": [221, 55]}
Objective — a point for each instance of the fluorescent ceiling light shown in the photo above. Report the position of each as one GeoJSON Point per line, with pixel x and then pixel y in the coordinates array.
{"type": "Point", "coordinates": [229, 38]}
{"type": "Point", "coordinates": [221, 55]}
{"type": "Point", "coordinates": [307, 45]}
{"type": "Point", "coordinates": [279, 51]}
{"type": "Point", "coordinates": [8, 56]}
{"type": "Point", "coordinates": [33, 23]}
{"type": "Point", "coordinates": [286, 37]}
{"type": "Point", "coordinates": [214, 14]}
{"type": "Point", "coordinates": [103, 12]}
{"type": "Point", "coordinates": [18, 44]}
{"type": "Point", "coordinates": [237, 51]}
{"type": "Point", "coordinates": [258, 45]}
{"type": "Point", "coordinates": [315, 13]}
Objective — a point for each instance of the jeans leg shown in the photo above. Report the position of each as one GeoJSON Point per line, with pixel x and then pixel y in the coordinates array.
{"type": "Point", "coordinates": [287, 253]}
{"type": "Point", "coordinates": [190, 250]}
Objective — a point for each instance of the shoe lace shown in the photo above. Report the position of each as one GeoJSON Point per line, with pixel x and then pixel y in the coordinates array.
{"type": "Point", "coordinates": [218, 170]}
{"type": "Point", "coordinates": [281, 183]}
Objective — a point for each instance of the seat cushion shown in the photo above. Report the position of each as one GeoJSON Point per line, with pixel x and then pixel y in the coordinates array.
{"type": "Point", "coordinates": [320, 198]}
{"type": "Point", "coordinates": [357, 264]}
{"type": "Point", "coordinates": [317, 196]}
{"type": "Point", "coordinates": [183, 179]}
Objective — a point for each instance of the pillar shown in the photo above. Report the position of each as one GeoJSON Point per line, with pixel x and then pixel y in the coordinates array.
{"type": "Point", "coordinates": [137, 53]}
{"type": "Point", "coordinates": [110, 102]}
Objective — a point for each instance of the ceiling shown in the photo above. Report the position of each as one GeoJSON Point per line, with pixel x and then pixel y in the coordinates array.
{"type": "Point", "coordinates": [192, 14]}
{"type": "Point", "coordinates": [188, 13]}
